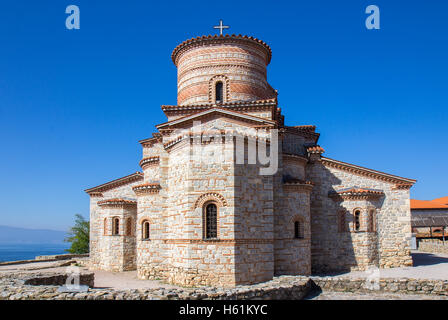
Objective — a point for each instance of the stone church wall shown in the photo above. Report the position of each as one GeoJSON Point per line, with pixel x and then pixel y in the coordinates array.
{"type": "Point", "coordinates": [292, 256]}
{"type": "Point", "coordinates": [118, 252]}
{"type": "Point", "coordinates": [99, 242]}
{"type": "Point", "coordinates": [333, 250]}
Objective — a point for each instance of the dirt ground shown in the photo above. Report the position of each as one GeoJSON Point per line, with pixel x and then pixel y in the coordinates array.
{"type": "Point", "coordinates": [426, 266]}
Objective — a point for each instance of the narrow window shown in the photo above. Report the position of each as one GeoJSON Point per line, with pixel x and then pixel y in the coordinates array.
{"type": "Point", "coordinates": [129, 226]}
{"type": "Point", "coordinates": [211, 226]}
{"type": "Point", "coordinates": [145, 230]}
{"type": "Point", "coordinates": [298, 232]}
{"type": "Point", "coordinates": [357, 223]}
{"type": "Point", "coordinates": [219, 92]}
{"type": "Point", "coordinates": [116, 226]}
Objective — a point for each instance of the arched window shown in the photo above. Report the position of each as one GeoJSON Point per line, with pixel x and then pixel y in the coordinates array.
{"type": "Point", "coordinates": [145, 230]}
{"type": "Point", "coordinates": [211, 223]}
{"type": "Point", "coordinates": [357, 220]}
{"type": "Point", "coordinates": [219, 92]}
{"type": "Point", "coordinates": [298, 230]}
{"type": "Point", "coordinates": [129, 226]}
{"type": "Point", "coordinates": [116, 226]}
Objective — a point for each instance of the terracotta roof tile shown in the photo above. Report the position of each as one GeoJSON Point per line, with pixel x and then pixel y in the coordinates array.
{"type": "Point", "coordinates": [440, 203]}
{"type": "Point", "coordinates": [315, 149]}
{"type": "Point", "coordinates": [272, 101]}
{"type": "Point", "coordinates": [359, 191]}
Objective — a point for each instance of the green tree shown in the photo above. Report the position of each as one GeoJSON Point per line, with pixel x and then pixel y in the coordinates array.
{"type": "Point", "coordinates": [79, 236]}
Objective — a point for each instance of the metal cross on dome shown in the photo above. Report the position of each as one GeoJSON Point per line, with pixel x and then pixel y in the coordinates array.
{"type": "Point", "coordinates": [221, 27]}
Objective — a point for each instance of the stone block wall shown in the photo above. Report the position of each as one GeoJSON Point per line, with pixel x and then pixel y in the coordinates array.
{"type": "Point", "coordinates": [433, 246]}
{"type": "Point", "coordinates": [336, 251]}
{"type": "Point", "coordinates": [99, 243]}
{"type": "Point", "coordinates": [118, 252]}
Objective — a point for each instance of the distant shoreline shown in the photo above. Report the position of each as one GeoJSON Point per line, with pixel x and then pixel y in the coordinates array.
{"type": "Point", "coordinates": [29, 251]}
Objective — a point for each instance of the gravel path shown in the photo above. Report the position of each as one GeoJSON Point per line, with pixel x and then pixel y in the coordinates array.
{"type": "Point", "coordinates": [126, 280]}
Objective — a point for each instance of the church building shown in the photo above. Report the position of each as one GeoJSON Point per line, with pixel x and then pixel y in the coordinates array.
{"type": "Point", "coordinates": [228, 194]}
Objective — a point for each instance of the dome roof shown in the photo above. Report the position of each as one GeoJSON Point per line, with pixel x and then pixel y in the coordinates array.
{"type": "Point", "coordinates": [204, 40]}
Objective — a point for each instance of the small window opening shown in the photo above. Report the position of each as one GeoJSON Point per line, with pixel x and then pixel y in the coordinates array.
{"type": "Point", "coordinates": [116, 226]}
{"type": "Point", "coordinates": [211, 227]}
{"type": "Point", "coordinates": [145, 230]}
{"type": "Point", "coordinates": [219, 92]}
{"type": "Point", "coordinates": [357, 223]}
{"type": "Point", "coordinates": [298, 233]}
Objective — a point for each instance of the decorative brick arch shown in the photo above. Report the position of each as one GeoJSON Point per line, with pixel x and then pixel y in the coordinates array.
{"type": "Point", "coordinates": [225, 85]}
{"type": "Point", "coordinates": [142, 219]}
{"type": "Point", "coordinates": [210, 197]}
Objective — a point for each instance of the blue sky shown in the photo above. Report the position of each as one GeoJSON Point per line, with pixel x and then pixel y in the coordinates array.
{"type": "Point", "coordinates": [74, 103]}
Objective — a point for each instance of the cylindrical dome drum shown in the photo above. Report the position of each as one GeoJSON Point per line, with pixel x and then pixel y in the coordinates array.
{"type": "Point", "coordinates": [221, 69]}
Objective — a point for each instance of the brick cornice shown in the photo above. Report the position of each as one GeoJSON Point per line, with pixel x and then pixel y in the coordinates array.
{"type": "Point", "coordinates": [356, 193]}
{"type": "Point", "coordinates": [361, 171]}
{"type": "Point", "coordinates": [303, 132]}
{"type": "Point", "coordinates": [117, 202]}
{"type": "Point", "coordinates": [116, 183]}
{"type": "Point", "coordinates": [243, 107]}
{"type": "Point", "coordinates": [96, 194]}
{"type": "Point", "coordinates": [222, 39]}
{"type": "Point", "coordinates": [295, 185]}
{"type": "Point", "coordinates": [149, 161]}
{"type": "Point", "coordinates": [289, 157]}
{"type": "Point", "coordinates": [147, 188]}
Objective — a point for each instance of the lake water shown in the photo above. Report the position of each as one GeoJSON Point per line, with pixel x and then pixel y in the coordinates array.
{"type": "Point", "coordinates": [28, 251]}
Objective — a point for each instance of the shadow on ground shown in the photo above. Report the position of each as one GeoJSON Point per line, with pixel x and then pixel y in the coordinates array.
{"type": "Point", "coordinates": [427, 259]}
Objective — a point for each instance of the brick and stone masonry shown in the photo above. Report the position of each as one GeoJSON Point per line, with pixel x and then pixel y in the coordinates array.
{"type": "Point", "coordinates": [197, 215]}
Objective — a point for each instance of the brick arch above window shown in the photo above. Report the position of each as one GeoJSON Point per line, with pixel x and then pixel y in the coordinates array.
{"type": "Point", "coordinates": [142, 219]}
{"type": "Point", "coordinates": [212, 88]}
{"type": "Point", "coordinates": [210, 197]}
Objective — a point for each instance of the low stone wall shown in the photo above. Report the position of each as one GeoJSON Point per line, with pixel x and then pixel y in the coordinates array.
{"type": "Point", "coordinates": [389, 285]}
{"type": "Point", "coordinates": [433, 246]}
{"type": "Point", "coordinates": [62, 256]}
{"type": "Point", "coordinates": [281, 288]}
{"type": "Point", "coordinates": [58, 279]}
{"type": "Point", "coordinates": [14, 287]}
